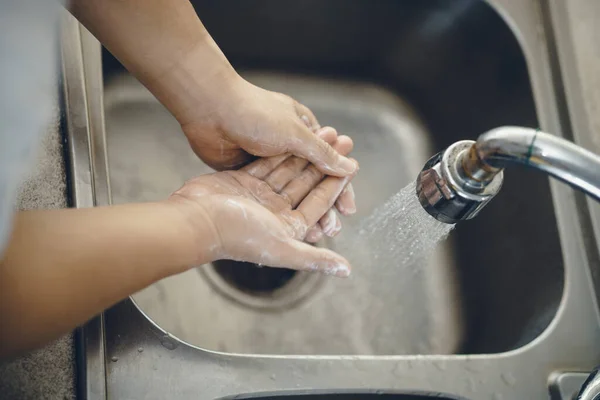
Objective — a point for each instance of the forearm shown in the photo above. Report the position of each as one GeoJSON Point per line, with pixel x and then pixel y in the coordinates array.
{"type": "Point", "coordinates": [61, 267]}
{"type": "Point", "coordinates": [164, 44]}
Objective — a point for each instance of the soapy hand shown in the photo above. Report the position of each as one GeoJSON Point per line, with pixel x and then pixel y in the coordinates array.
{"type": "Point", "coordinates": [247, 121]}
{"type": "Point", "coordinates": [250, 121]}
{"type": "Point", "coordinates": [264, 211]}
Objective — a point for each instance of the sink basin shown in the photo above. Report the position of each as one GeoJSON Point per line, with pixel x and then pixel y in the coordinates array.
{"type": "Point", "coordinates": [405, 79]}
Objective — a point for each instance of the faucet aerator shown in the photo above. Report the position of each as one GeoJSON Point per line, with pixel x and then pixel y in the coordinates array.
{"type": "Point", "coordinates": [457, 183]}
{"type": "Point", "coordinates": [447, 192]}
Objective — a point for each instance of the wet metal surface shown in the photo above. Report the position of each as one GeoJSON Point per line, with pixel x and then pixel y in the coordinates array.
{"type": "Point", "coordinates": [493, 297]}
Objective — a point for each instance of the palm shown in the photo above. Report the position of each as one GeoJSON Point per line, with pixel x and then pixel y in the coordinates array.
{"type": "Point", "coordinates": [255, 222]}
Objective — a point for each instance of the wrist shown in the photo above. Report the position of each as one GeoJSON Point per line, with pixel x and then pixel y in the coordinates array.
{"type": "Point", "coordinates": [199, 86]}
{"type": "Point", "coordinates": [198, 227]}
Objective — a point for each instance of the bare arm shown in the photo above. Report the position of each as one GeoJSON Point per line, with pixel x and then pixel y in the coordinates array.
{"type": "Point", "coordinates": [63, 266]}
{"type": "Point", "coordinates": [164, 44]}
{"type": "Point", "coordinates": [225, 118]}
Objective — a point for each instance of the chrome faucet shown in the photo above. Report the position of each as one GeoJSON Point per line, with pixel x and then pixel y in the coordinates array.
{"type": "Point", "coordinates": [457, 183]}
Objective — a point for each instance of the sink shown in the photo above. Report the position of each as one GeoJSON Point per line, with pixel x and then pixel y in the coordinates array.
{"type": "Point", "coordinates": [405, 79]}
{"type": "Point", "coordinates": [348, 395]}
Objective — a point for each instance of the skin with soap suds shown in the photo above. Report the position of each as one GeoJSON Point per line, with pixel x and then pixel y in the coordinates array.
{"type": "Point", "coordinates": [63, 266]}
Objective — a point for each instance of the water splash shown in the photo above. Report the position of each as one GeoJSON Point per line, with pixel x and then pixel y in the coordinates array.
{"type": "Point", "coordinates": [401, 232]}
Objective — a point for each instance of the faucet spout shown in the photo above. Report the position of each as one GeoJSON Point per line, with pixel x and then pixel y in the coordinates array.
{"type": "Point", "coordinates": [457, 183]}
{"type": "Point", "coordinates": [557, 157]}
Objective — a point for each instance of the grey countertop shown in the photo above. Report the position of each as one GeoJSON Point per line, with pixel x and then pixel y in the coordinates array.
{"type": "Point", "coordinates": [47, 373]}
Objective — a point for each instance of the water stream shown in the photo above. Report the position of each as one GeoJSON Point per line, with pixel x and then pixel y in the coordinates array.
{"type": "Point", "coordinates": [401, 232]}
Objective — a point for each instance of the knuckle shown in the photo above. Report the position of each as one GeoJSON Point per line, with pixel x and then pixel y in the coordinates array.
{"type": "Point", "coordinates": [263, 187]}
{"type": "Point", "coordinates": [312, 174]}
{"type": "Point", "coordinates": [286, 197]}
{"type": "Point", "coordinates": [320, 196]}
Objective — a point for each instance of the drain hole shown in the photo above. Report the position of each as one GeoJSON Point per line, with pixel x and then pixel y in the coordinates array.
{"type": "Point", "coordinates": [252, 279]}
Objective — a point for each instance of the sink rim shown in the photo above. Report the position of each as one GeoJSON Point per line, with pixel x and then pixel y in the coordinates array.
{"type": "Point", "coordinates": [380, 393]}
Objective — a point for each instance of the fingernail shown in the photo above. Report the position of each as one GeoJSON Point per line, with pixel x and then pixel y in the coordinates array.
{"type": "Point", "coordinates": [314, 235]}
{"type": "Point", "coordinates": [339, 270]}
{"type": "Point", "coordinates": [338, 225]}
{"type": "Point", "coordinates": [347, 165]}
{"type": "Point", "coordinates": [349, 210]}
{"type": "Point", "coordinates": [329, 223]}
{"type": "Point", "coordinates": [351, 207]}
{"type": "Point", "coordinates": [322, 131]}
{"type": "Point", "coordinates": [347, 206]}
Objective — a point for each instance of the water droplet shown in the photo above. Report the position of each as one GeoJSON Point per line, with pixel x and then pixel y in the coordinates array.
{"type": "Point", "coordinates": [273, 377]}
{"type": "Point", "coordinates": [168, 342]}
{"type": "Point", "coordinates": [140, 349]}
{"type": "Point", "coordinates": [114, 359]}
{"type": "Point", "coordinates": [508, 378]}
{"type": "Point", "coordinates": [440, 365]}
{"type": "Point", "coordinates": [471, 384]}
{"type": "Point", "coordinates": [497, 396]}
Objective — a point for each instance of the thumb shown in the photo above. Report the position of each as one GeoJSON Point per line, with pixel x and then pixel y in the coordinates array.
{"type": "Point", "coordinates": [309, 146]}
{"type": "Point", "coordinates": [300, 256]}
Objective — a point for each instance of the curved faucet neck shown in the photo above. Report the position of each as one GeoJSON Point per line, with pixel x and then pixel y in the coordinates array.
{"type": "Point", "coordinates": [557, 157]}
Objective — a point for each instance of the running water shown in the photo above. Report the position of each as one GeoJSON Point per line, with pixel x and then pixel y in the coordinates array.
{"type": "Point", "coordinates": [401, 231]}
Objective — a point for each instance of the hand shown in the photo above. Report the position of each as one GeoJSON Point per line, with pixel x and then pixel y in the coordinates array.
{"type": "Point", "coordinates": [291, 166]}
{"type": "Point", "coordinates": [250, 221]}
{"type": "Point", "coordinates": [250, 121]}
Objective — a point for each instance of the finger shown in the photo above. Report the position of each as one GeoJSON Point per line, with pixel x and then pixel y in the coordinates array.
{"type": "Point", "coordinates": [262, 167]}
{"type": "Point", "coordinates": [293, 166]}
{"type": "Point", "coordinates": [307, 116]}
{"type": "Point", "coordinates": [330, 223]}
{"type": "Point", "coordinates": [298, 188]}
{"type": "Point", "coordinates": [307, 145]}
{"type": "Point", "coordinates": [322, 198]}
{"type": "Point", "coordinates": [285, 172]}
{"type": "Point", "coordinates": [346, 203]}
{"type": "Point", "coordinates": [314, 234]}
{"type": "Point", "coordinates": [328, 134]}
{"type": "Point", "coordinates": [304, 257]}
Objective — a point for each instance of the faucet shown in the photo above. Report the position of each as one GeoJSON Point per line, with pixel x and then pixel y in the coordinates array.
{"type": "Point", "coordinates": [455, 184]}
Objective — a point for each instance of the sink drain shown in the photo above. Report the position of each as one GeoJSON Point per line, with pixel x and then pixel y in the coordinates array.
{"type": "Point", "coordinates": [253, 279]}
{"type": "Point", "coordinates": [263, 288]}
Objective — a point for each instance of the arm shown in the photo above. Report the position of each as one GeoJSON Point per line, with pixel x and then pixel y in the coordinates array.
{"type": "Point", "coordinates": [164, 44]}
{"type": "Point", "coordinates": [63, 266]}
{"type": "Point", "coordinates": [225, 118]}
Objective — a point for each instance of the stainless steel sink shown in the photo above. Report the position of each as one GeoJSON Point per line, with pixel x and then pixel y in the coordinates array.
{"type": "Point", "coordinates": [403, 80]}
{"type": "Point", "coordinates": [499, 312]}
{"type": "Point", "coordinates": [348, 395]}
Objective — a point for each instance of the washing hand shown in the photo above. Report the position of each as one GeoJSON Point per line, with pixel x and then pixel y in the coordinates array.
{"type": "Point", "coordinates": [227, 120]}
{"type": "Point", "coordinates": [251, 121]}
{"type": "Point", "coordinates": [263, 212]}
{"type": "Point", "coordinates": [256, 122]}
